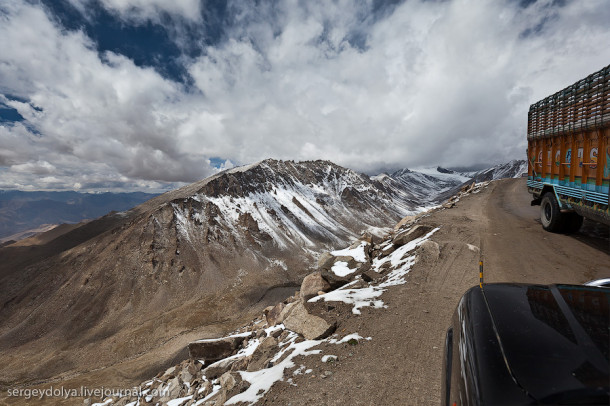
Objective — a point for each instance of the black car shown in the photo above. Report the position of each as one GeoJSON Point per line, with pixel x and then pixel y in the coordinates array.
{"type": "Point", "coordinates": [519, 344]}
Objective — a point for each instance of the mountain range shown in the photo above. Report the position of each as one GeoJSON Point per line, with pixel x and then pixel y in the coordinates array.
{"type": "Point", "coordinates": [22, 211]}
{"type": "Point", "coordinates": [128, 290]}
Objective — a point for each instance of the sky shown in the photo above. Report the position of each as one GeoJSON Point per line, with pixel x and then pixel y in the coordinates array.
{"type": "Point", "coordinates": [148, 95]}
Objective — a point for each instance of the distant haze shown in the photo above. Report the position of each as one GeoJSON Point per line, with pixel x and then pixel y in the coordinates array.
{"type": "Point", "coordinates": [148, 95]}
{"type": "Point", "coordinates": [22, 211]}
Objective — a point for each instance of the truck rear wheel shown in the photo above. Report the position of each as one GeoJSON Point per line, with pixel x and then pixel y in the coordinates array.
{"type": "Point", "coordinates": [550, 215]}
{"type": "Point", "coordinates": [573, 222]}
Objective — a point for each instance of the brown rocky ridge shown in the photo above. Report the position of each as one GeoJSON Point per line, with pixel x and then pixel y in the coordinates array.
{"type": "Point", "coordinates": [127, 292]}
{"type": "Point", "coordinates": [217, 371]}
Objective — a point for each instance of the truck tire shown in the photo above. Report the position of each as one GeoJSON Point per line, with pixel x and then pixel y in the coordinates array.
{"type": "Point", "coordinates": [550, 215]}
{"type": "Point", "coordinates": [572, 222]}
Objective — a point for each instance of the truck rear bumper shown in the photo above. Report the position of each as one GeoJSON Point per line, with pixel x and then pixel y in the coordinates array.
{"type": "Point", "coordinates": [593, 205]}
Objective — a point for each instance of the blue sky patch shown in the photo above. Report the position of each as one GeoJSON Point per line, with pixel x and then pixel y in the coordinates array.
{"type": "Point", "coordinates": [217, 162]}
{"type": "Point", "coordinates": [9, 114]}
{"type": "Point", "coordinates": [161, 45]}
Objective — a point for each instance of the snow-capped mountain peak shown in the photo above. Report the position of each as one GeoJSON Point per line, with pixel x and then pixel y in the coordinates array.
{"type": "Point", "coordinates": [512, 169]}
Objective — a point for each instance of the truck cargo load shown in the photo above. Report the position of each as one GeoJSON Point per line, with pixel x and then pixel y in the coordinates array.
{"type": "Point", "coordinates": [568, 136]}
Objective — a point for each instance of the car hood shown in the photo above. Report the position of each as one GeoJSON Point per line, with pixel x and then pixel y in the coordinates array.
{"type": "Point", "coordinates": [555, 339]}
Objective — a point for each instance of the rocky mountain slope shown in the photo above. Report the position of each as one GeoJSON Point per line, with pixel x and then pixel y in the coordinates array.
{"type": "Point", "coordinates": [242, 367]}
{"type": "Point", "coordinates": [426, 186]}
{"type": "Point", "coordinates": [512, 169]}
{"type": "Point", "coordinates": [129, 290]}
{"type": "Point", "coordinates": [200, 256]}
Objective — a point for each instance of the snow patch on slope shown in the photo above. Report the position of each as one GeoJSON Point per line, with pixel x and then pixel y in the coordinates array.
{"type": "Point", "coordinates": [296, 205]}
{"type": "Point", "coordinates": [261, 381]}
{"type": "Point", "coordinates": [357, 253]}
{"type": "Point", "coordinates": [446, 176]}
{"type": "Point", "coordinates": [368, 296]}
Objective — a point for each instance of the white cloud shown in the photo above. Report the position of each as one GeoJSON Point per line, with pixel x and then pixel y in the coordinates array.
{"type": "Point", "coordinates": [36, 168]}
{"type": "Point", "coordinates": [95, 111]}
{"type": "Point", "coordinates": [141, 10]}
{"type": "Point", "coordinates": [439, 82]}
{"type": "Point", "coordinates": [428, 83]}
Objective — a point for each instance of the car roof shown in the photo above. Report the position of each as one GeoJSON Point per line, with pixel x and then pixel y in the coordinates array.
{"type": "Point", "coordinates": [555, 338]}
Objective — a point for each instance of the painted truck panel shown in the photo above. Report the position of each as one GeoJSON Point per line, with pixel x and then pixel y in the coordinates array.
{"type": "Point", "coordinates": [569, 147]}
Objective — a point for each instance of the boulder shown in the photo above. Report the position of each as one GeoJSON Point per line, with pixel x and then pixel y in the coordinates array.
{"type": "Point", "coordinates": [429, 251]}
{"type": "Point", "coordinates": [368, 247]}
{"type": "Point", "coordinates": [386, 250]}
{"type": "Point", "coordinates": [218, 368]}
{"type": "Point", "coordinates": [370, 275]}
{"type": "Point", "coordinates": [215, 349]}
{"type": "Point", "coordinates": [193, 367]}
{"type": "Point", "coordinates": [194, 386]}
{"type": "Point", "coordinates": [409, 235]}
{"type": "Point", "coordinates": [451, 202]}
{"type": "Point", "coordinates": [227, 381]}
{"type": "Point", "coordinates": [286, 311]}
{"type": "Point", "coordinates": [220, 398]}
{"type": "Point", "coordinates": [276, 333]}
{"type": "Point", "coordinates": [273, 314]}
{"type": "Point", "coordinates": [186, 376]}
{"type": "Point", "coordinates": [405, 220]}
{"type": "Point", "coordinates": [385, 267]}
{"type": "Point", "coordinates": [333, 280]}
{"type": "Point", "coordinates": [363, 268]}
{"type": "Point", "coordinates": [204, 390]}
{"type": "Point", "coordinates": [241, 364]}
{"type": "Point", "coordinates": [294, 298]}
{"type": "Point", "coordinates": [309, 326]}
{"type": "Point", "coordinates": [232, 384]}
{"type": "Point", "coordinates": [169, 373]}
{"type": "Point", "coordinates": [174, 390]}
{"type": "Point", "coordinates": [358, 284]}
{"type": "Point", "coordinates": [326, 261]}
{"type": "Point", "coordinates": [265, 350]}
{"type": "Point", "coordinates": [267, 310]}
{"type": "Point", "coordinates": [312, 284]}
{"type": "Point", "coordinates": [468, 187]}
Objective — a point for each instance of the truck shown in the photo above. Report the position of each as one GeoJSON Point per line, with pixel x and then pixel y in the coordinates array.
{"type": "Point", "coordinates": [568, 138]}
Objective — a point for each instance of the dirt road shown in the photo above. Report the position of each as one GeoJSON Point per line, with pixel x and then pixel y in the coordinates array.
{"type": "Point", "coordinates": [401, 365]}
{"type": "Point", "coordinates": [516, 248]}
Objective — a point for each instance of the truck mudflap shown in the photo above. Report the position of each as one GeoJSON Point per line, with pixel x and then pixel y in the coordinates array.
{"type": "Point", "coordinates": [536, 202]}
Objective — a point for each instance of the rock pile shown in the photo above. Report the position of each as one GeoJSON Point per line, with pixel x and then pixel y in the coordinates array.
{"type": "Point", "coordinates": [215, 373]}
{"type": "Point", "coordinates": [464, 190]}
